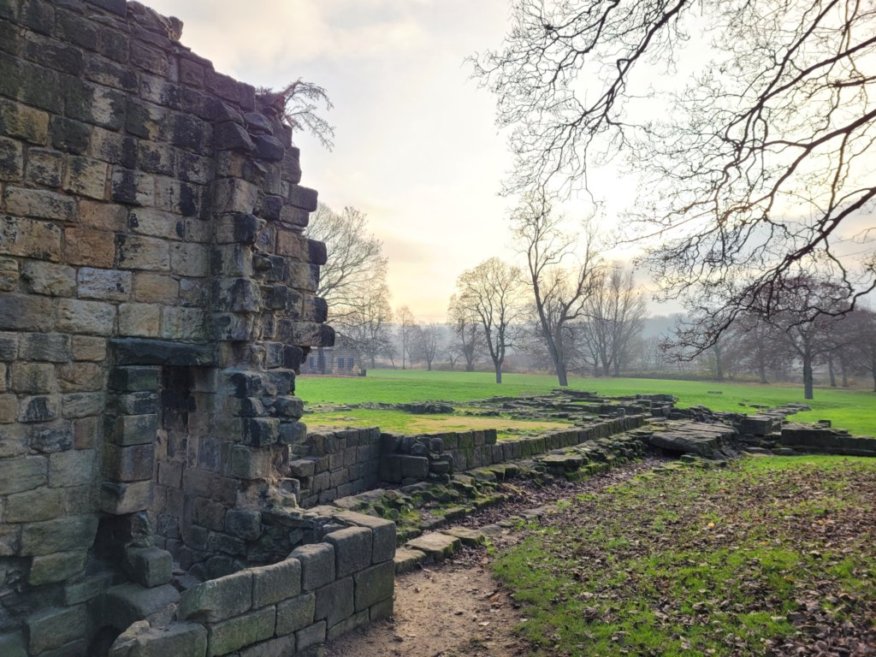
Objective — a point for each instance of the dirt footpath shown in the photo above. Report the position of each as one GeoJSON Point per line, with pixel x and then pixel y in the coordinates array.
{"type": "Point", "coordinates": [445, 610]}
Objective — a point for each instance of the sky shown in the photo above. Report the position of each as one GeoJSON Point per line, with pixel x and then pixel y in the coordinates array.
{"type": "Point", "coordinates": [416, 146]}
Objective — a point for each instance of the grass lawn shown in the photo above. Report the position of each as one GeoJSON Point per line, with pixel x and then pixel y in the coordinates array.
{"type": "Point", "coordinates": [854, 410]}
{"type": "Point", "coordinates": [401, 422]}
{"type": "Point", "coordinates": [765, 556]}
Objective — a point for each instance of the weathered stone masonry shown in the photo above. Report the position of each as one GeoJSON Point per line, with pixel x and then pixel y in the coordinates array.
{"type": "Point", "coordinates": [156, 299]}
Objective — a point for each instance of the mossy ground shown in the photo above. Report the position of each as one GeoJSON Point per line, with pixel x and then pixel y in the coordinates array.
{"type": "Point", "coordinates": [762, 557]}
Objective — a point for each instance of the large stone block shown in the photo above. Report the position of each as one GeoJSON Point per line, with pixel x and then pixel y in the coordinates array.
{"type": "Point", "coordinates": [34, 505]}
{"type": "Point", "coordinates": [56, 567]}
{"type": "Point", "coordinates": [13, 645]}
{"type": "Point", "coordinates": [317, 564]}
{"type": "Point", "coordinates": [283, 646]}
{"type": "Point", "coordinates": [296, 613]}
{"type": "Point", "coordinates": [383, 534]}
{"type": "Point", "coordinates": [175, 640]}
{"type": "Point", "coordinates": [121, 498]}
{"type": "Point", "coordinates": [334, 601]}
{"type": "Point", "coordinates": [30, 238]}
{"type": "Point", "coordinates": [126, 430]}
{"type": "Point", "coordinates": [149, 566]}
{"type": "Point", "coordinates": [53, 628]}
{"type": "Point", "coordinates": [374, 585]}
{"type": "Point", "coordinates": [90, 317]}
{"type": "Point", "coordinates": [48, 278]}
{"type": "Point", "coordinates": [68, 534]}
{"type": "Point", "coordinates": [218, 599]}
{"type": "Point", "coordinates": [22, 474]}
{"type": "Point", "coordinates": [25, 313]}
{"type": "Point", "coordinates": [240, 632]}
{"type": "Point", "coordinates": [310, 636]}
{"type": "Point", "coordinates": [277, 582]}
{"type": "Point", "coordinates": [124, 604]}
{"type": "Point", "coordinates": [352, 550]}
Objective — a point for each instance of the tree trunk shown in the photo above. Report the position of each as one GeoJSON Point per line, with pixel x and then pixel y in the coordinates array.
{"type": "Point", "coordinates": [830, 372]}
{"type": "Point", "coordinates": [844, 372]}
{"type": "Point", "coordinates": [719, 366]}
{"type": "Point", "coordinates": [761, 370]}
{"type": "Point", "coordinates": [498, 373]}
{"type": "Point", "coordinates": [807, 376]}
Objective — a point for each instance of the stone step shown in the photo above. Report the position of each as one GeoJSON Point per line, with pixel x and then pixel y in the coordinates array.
{"type": "Point", "coordinates": [436, 545]}
{"type": "Point", "coordinates": [406, 560]}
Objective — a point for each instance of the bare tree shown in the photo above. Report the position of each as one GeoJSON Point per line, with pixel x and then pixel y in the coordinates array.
{"type": "Point", "coordinates": [367, 326]}
{"type": "Point", "coordinates": [559, 293]}
{"type": "Point", "coordinates": [355, 258]}
{"type": "Point", "coordinates": [427, 342]}
{"type": "Point", "coordinates": [754, 145]}
{"type": "Point", "coordinates": [808, 338]}
{"type": "Point", "coordinates": [297, 104]}
{"type": "Point", "coordinates": [615, 314]}
{"type": "Point", "coordinates": [466, 327]}
{"type": "Point", "coordinates": [492, 292]}
{"type": "Point", "coordinates": [407, 326]}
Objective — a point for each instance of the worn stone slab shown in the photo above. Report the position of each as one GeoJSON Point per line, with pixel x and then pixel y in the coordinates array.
{"type": "Point", "coordinates": [241, 631]}
{"type": "Point", "coordinates": [126, 603]}
{"type": "Point", "coordinates": [279, 581]}
{"type": "Point", "coordinates": [352, 549]}
{"type": "Point", "coordinates": [467, 535]}
{"type": "Point", "coordinates": [218, 599]}
{"type": "Point", "coordinates": [295, 614]}
{"type": "Point", "coordinates": [374, 585]}
{"type": "Point", "coordinates": [317, 564]}
{"type": "Point", "coordinates": [176, 640]}
{"type": "Point", "coordinates": [383, 533]}
{"type": "Point", "coordinates": [436, 545]}
{"type": "Point", "coordinates": [406, 559]}
{"type": "Point", "coordinates": [334, 601]}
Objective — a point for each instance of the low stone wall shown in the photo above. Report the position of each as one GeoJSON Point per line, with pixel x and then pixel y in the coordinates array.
{"type": "Point", "coordinates": [407, 459]}
{"type": "Point", "coordinates": [336, 464]}
{"type": "Point", "coordinates": [825, 440]}
{"type": "Point", "coordinates": [319, 592]}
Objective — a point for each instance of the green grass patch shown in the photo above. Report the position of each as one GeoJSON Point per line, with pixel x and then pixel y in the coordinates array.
{"type": "Point", "coordinates": [854, 410]}
{"type": "Point", "coordinates": [733, 561]}
{"type": "Point", "coordinates": [402, 422]}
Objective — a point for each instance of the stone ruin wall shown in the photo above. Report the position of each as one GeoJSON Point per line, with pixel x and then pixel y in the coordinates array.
{"type": "Point", "coordinates": [156, 300]}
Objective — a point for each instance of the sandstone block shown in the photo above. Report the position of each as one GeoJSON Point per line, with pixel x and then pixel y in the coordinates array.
{"type": "Point", "coordinates": [352, 550]}
{"type": "Point", "coordinates": [242, 631]}
{"type": "Point", "coordinates": [39, 204]}
{"type": "Point", "coordinates": [134, 379]}
{"type": "Point", "coordinates": [243, 524]}
{"type": "Point", "coordinates": [8, 403]}
{"type": "Point", "coordinates": [281, 647]}
{"type": "Point", "coordinates": [44, 167]}
{"type": "Point", "coordinates": [436, 545]}
{"type": "Point", "coordinates": [11, 160]}
{"type": "Point", "coordinates": [137, 252]}
{"type": "Point", "coordinates": [317, 564]}
{"type": "Point", "coordinates": [277, 582]}
{"type": "Point", "coordinates": [183, 323]}
{"type": "Point", "coordinates": [29, 238]}
{"type": "Point", "coordinates": [56, 567]}
{"type": "Point", "coordinates": [71, 468]}
{"type": "Point", "coordinates": [132, 463]}
{"type": "Point", "coordinates": [383, 534]}
{"type": "Point", "coordinates": [175, 640]}
{"type": "Point", "coordinates": [88, 348]}
{"type": "Point", "coordinates": [334, 601]}
{"type": "Point", "coordinates": [155, 288]}
{"type": "Point", "coordinates": [122, 498]}
{"type": "Point", "coordinates": [296, 613]}
{"type": "Point", "coordinates": [90, 317]}
{"type": "Point", "coordinates": [347, 625]}
{"type": "Point", "coordinates": [149, 566]}
{"type": "Point", "coordinates": [34, 505]}
{"type": "Point", "coordinates": [86, 177]}
{"type": "Point", "coordinates": [9, 274]}
{"type": "Point", "coordinates": [104, 284]}
{"type": "Point", "coordinates": [23, 122]}
{"type": "Point", "coordinates": [218, 599]}
{"type": "Point", "coordinates": [310, 636]}
{"type": "Point", "coordinates": [53, 627]}
{"type": "Point", "coordinates": [83, 376]}
{"type": "Point", "coordinates": [34, 377]}
{"type": "Point", "coordinates": [47, 347]}
{"type": "Point", "coordinates": [50, 279]}
{"type": "Point", "coordinates": [127, 430]}
{"type": "Point", "coordinates": [68, 534]}
{"type": "Point", "coordinates": [124, 604]}
{"type": "Point", "coordinates": [374, 585]}
{"type": "Point", "coordinates": [38, 409]}
{"type": "Point", "coordinates": [190, 259]}
{"type": "Point", "coordinates": [13, 645]}
{"type": "Point", "coordinates": [139, 319]}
